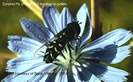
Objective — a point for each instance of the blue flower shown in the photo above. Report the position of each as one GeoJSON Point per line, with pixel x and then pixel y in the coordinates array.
{"type": "Point", "coordinates": [85, 63]}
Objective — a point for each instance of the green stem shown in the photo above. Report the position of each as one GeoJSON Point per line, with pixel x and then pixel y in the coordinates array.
{"type": "Point", "coordinates": [95, 8]}
{"type": "Point", "coordinates": [34, 7]}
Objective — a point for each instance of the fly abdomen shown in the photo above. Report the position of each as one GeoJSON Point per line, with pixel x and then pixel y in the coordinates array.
{"type": "Point", "coordinates": [53, 50]}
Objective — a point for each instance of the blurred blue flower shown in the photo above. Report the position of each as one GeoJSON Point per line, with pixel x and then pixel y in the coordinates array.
{"type": "Point", "coordinates": [85, 63]}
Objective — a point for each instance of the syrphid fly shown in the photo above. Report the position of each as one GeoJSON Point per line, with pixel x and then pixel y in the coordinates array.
{"type": "Point", "coordinates": [58, 42]}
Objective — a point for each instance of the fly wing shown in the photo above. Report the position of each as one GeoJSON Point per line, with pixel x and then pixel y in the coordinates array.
{"type": "Point", "coordinates": [41, 51]}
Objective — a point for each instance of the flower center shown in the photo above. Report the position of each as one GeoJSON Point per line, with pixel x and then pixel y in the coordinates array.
{"type": "Point", "coordinates": [67, 58]}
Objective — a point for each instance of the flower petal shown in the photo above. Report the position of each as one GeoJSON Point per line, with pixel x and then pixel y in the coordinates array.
{"type": "Point", "coordinates": [84, 74]}
{"type": "Point", "coordinates": [94, 79]}
{"type": "Point", "coordinates": [61, 76]}
{"type": "Point", "coordinates": [22, 45]}
{"type": "Point", "coordinates": [52, 77]}
{"type": "Point", "coordinates": [36, 31]}
{"type": "Point", "coordinates": [107, 73]}
{"type": "Point", "coordinates": [65, 17]}
{"type": "Point", "coordinates": [110, 54]}
{"type": "Point", "coordinates": [32, 70]}
{"type": "Point", "coordinates": [44, 73]}
{"type": "Point", "coordinates": [75, 75]}
{"type": "Point", "coordinates": [24, 76]}
{"type": "Point", "coordinates": [122, 53]}
{"type": "Point", "coordinates": [116, 37]}
{"type": "Point", "coordinates": [51, 19]}
{"type": "Point", "coordinates": [87, 36]}
{"type": "Point", "coordinates": [81, 17]}
{"type": "Point", "coordinates": [70, 75]}
{"type": "Point", "coordinates": [6, 79]}
{"type": "Point", "coordinates": [21, 64]}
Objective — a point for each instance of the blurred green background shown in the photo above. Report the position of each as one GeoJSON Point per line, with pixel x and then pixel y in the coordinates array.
{"type": "Point", "coordinates": [114, 13]}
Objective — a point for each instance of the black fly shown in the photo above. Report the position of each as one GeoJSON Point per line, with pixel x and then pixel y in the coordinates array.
{"type": "Point", "coordinates": [56, 45]}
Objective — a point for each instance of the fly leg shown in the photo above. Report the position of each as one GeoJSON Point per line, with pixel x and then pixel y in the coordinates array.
{"type": "Point", "coordinates": [62, 55]}
{"type": "Point", "coordinates": [70, 48]}
{"type": "Point", "coordinates": [78, 42]}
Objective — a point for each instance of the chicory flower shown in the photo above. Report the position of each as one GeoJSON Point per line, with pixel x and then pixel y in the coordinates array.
{"type": "Point", "coordinates": [85, 63]}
